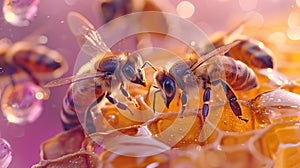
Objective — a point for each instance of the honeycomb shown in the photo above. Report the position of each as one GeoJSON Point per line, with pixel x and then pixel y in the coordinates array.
{"type": "Point", "coordinates": [270, 138]}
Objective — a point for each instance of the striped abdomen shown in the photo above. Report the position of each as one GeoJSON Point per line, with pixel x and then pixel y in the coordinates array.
{"type": "Point", "coordinates": [238, 75]}
{"type": "Point", "coordinates": [252, 53]}
{"type": "Point", "coordinates": [79, 97]}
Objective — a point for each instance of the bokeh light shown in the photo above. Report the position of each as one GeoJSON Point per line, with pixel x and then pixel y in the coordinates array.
{"type": "Point", "coordinates": [10, 17]}
{"type": "Point", "coordinates": [293, 33]}
{"type": "Point", "coordinates": [294, 19]}
{"type": "Point", "coordinates": [185, 9]}
{"type": "Point", "coordinates": [277, 37]}
{"type": "Point", "coordinates": [298, 3]}
{"type": "Point", "coordinates": [255, 18]}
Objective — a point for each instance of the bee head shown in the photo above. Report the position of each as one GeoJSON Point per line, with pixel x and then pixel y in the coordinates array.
{"type": "Point", "coordinates": [132, 70]}
{"type": "Point", "coordinates": [166, 83]}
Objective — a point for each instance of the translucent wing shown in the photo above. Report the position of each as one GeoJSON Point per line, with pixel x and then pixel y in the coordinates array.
{"type": "Point", "coordinates": [216, 52]}
{"type": "Point", "coordinates": [74, 78]}
{"type": "Point", "coordinates": [88, 38]}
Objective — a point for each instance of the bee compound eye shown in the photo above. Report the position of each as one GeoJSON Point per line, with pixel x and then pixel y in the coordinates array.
{"type": "Point", "coordinates": [128, 71]}
{"type": "Point", "coordinates": [169, 87]}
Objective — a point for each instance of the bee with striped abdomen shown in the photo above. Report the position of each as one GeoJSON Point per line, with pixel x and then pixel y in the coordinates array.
{"type": "Point", "coordinates": [250, 51]}
{"type": "Point", "coordinates": [209, 70]}
{"type": "Point", "coordinates": [36, 61]}
{"type": "Point", "coordinates": [106, 72]}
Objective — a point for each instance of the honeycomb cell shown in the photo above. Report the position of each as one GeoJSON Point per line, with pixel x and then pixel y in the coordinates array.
{"type": "Point", "coordinates": [78, 159]}
{"type": "Point", "coordinates": [62, 144]}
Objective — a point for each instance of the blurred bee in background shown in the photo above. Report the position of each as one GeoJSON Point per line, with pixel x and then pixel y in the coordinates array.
{"type": "Point", "coordinates": [24, 66]}
{"type": "Point", "coordinates": [209, 70]}
{"type": "Point", "coordinates": [250, 51]}
{"type": "Point", "coordinates": [112, 9]}
{"type": "Point", "coordinates": [106, 72]}
{"type": "Point", "coordinates": [36, 61]}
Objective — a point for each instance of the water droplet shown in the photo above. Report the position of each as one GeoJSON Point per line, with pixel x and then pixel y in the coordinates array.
{"type": "Point", "coordinates": [193, 43]}
{"type": "Point", "coordinates": [1, 70]}
{"type": "Point", "coordinates": [43, 39]}
{"type": "Point", "coordinates": [111, 119]}
{"type": "Point", "coordinates": [62, 22]}
{"type": "Point", "coordinates": [20, 12]}
{"type": "Point", "coordinates": [5, 153]}
{"type": "Point", "coordinates": [20, 104]}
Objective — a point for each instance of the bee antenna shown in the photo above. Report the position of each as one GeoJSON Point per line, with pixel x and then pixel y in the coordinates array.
{"type": "Point", "coordinates": [150, 64]}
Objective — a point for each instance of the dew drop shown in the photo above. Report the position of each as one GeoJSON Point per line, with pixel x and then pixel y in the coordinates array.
{"type": "Point", "coordinates": [5, 153]}
{"type": "Point", "coordinates": [20, 103]}
{"type": "Point", "coordinates": [20, 12]}
{"type": "Point", "coordinates": [43, 39]}
{"type": "Point", "coordinates": [112, 119]}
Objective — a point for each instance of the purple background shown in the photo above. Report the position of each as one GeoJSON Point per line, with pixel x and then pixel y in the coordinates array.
{"type": "Point", "coordinates": [210, 15]}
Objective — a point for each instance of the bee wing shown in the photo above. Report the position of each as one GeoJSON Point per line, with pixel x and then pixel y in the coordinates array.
{"type": "Point", "coordinates": [220, 51]}
{"type": "Point", "coordinates": [88, 38]}
{"type": "Point", "coordinates": [216, 52]}
{"type": "Point", "coordinates": [74, 78]}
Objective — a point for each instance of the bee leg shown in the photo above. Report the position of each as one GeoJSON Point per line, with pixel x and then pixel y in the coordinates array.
{"type": "Point", "coordinates": [89, 117]}
{"type": "Point", "coordinates": [33, 78]}
{"type": "Point", "coordinates": [11, 71]}
{"type": "Point", "coordinates": [154, 98]}
{"type": "Point", "coordinates": [235, 106]}
{"type": "Point", "coordinates": [148, 63]}
{"type": "Point", "coordinates": [127, 95]}
{"type": "Point", "coordinates": [183, 103]}
{"type": "Point", "coordinates": [119, 104]}
{"type": "Point", "coordinates": [206, 99]}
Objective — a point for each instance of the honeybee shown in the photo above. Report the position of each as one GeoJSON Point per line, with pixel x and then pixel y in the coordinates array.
{"type": "Point", "coordinates": [250, 51]}
{"type": "Point", "coordinates": [112, 9]}
{"type": "Point", "coordinates": [97, 79]}
{"type": "Point", "coordinates": [209, 71]}
{"type": "Point", "coordinates": [37, 62]}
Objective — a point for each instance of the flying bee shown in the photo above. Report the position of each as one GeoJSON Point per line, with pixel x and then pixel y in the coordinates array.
{"type": "Point", "coordinates": [36, 61]}
{"type": "Point", "coordinates": [106, 72]}
{"type": "Point", "coordinates": [209, 70]}
{"type": "Point", "coordinates": [250, 51]}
